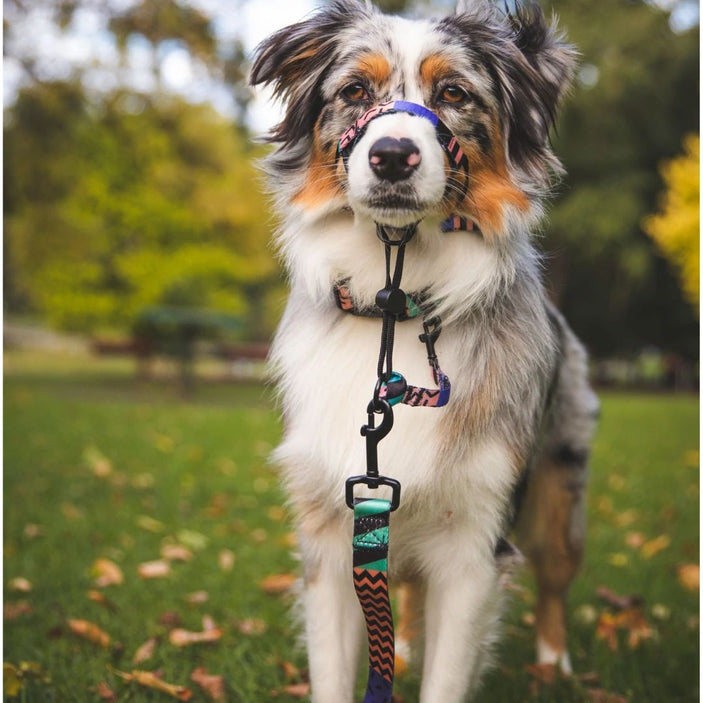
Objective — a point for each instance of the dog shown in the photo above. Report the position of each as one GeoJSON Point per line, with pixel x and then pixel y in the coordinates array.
{"type": "Point", "coordinates": [509, 451]}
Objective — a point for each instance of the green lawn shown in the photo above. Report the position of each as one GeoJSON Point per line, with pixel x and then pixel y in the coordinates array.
{"type": "Point", "coordinates": [98, 465]}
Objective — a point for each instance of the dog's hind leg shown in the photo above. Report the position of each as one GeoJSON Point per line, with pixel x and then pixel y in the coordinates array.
{"type": "Point", "coordinates": [551, 522]}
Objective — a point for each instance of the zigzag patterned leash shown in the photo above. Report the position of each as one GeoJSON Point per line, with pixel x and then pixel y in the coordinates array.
{"type": "Point", "coordinates": [370, 544]}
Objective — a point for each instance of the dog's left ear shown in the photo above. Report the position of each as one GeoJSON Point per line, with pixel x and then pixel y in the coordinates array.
{"type": "Point", "coordinates": [295, 60]}
{"type": "Point", "coordinates": [539, 73]}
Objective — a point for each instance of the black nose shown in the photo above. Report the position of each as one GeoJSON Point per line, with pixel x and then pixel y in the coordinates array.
{"type": "Point", "coordinates": [394, 159]}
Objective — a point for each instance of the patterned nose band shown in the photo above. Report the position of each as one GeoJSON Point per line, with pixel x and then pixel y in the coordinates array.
{"type": "Point", "coordinates": [446, 139]}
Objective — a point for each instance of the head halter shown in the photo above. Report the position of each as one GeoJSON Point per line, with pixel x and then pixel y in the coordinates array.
{"type": "Point", "coordinates": [448, 142]}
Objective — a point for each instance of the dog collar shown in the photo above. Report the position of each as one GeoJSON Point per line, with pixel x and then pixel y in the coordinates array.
{"type": "Point", "coordinates": [446, 139]}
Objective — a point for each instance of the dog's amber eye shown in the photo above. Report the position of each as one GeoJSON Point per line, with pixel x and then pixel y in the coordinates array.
{"type": "Point", "coordinates": [453, 95]}
{"type": "Point", "coordinates": [355, 92]}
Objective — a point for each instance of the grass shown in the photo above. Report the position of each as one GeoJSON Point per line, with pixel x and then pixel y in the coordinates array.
{"type": "Point", "coordinates": [196, 473]}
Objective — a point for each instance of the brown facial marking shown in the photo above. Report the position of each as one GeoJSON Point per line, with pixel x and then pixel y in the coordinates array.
{"type": "Point", "coordinates": [322, 179]}
{"type": "Point", "coordinates": [376, 67]}
{"type": "Point", "coordinates": [490, 187]}
{"type": "Point", "coordinates": [433, 68]}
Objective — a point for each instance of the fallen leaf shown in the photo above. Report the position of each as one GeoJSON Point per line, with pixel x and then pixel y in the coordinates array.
{"type": "Point", "coordinates": [143, 480]}
{"type": "Point", "coordinates": [20, 584]}
{"type": "Point", "coordinates": [105, 693]}
{"type": "Point", "coordinates": [154, 569]}
{"type": "Point", "coordinates": [176, 552]}
{"type": "Point", "coordinates": [277, 584]}
{"type": "Point", "coordinates": [163, 442]}
{"type": "Point", "coordinates": [631, 620]}
{"type": "Point", "coordinates": [586, 614]}
{"type": "Point", "coordinates": [89, 631]}
{"type": "Point", "coordinates": [97, 462]}
{"type": "Point", "coordinates": [106, 573]}
{"type": "Point", "coordinates": [661, 611]}
{"type": "Point", "coordinates": [170, 619]}
{"type": "Point", "coordinates": [145, 651]}
{"type": "Point", "coordinates": [296, 690]}
{"type": "Point", "coordinates": [150, 524]}
{"type": "Point", "coordinates": [649, 549]}
{"type": "Point", "coordinates": [290, 539]}
{"type": "Point", "coordinates": [251, 626]}
{"type": "Point", "coordinates": [598, 695]}
{"type": "Point", "coordinates": [635, 539]}
{"type": "Point", "coordinates": [149, 679]}
{"type": "Point", "coordinates": [225, 559]}
{"type": "Point", "coordinates": [192, 539]}
{"type": "Point", "coordinates": [276, 513]}
{"type": "Point", "coordinates": [690, 576]}
{"type": "Point", "coordinates": [528, 619]}
{"type": "Point", "coordinates": [71, 512]}
{"type": "Point", "coordinates": [32, 531]}
{"type": "Point", "coordinates": [11, 680]}
{"type": "Point", "coordinates": [618, 559]}
{"type": "Point", "coordinates": [213, 685]}
{"type": "Point", "coordinates": [625, 518]}
{"type": "Point", "coordinates": [208, 623]}
{"type": "Point", "coordinates": [290, 670]}
{"type": "Point", "coordinates": [99, 598]}
{"type": "Point", "coordinates": [259, 535]}
{"type": "Point", "coordinates": [12, 611]}
{"type": "Point", "coordinates": [183, 638]}
{"type": "Point", "coordinates": [197, 597]}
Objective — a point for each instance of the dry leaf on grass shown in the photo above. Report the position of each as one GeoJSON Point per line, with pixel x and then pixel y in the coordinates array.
{"type": "Point", "coordinates": [170, 619]}
{"type": "Point", "coordinates": [106, 573]}
{"type": "Point", "coordinates": [99, 598]}
{"type": "Point", "coordinates": [154, 569]}
{"type": "Point", "coordinates": [150, 679]}
{"type": "Point", "coordinates": [150, 524]}
{"type": "Point", "coordinates": [296, 690]}
{"type": "Point", "coordinates": [97, 462]}
{"type": "Point", "coordinates": [225, 559]}
{"type": "Point", "coordinates": [105, 693]}
{"type": "Point", "coordinates": [32, 531]}
{"type": "Point", "coordinates": [251, 626]}
{"type": "Point", "coordinates": [654, 546]}
{"type": "Point", "coordinates": [277, 584]}
{"type": "Point", "coordinates": [89, 631]}
{"type": "Point", "coordinates": [197, 597]}
{"type": "Point", "coordinates": [20, 584]}
{"type": "Point", "coordinates": [183, 638]}
{"type": "Point", "coordinates": [213, 685]}
{"type": "Point", "coordinates": [635, 539]}
{"type": "Point", "coordinates": [176, 552]}
{"type": "Point", "coordinates": [145, 651]}
{"type": "Point", "coordinates": [290, 670]}
{"type": "Point", "coordinates": [630, 620]}
{"type": "Point", "coordinates": [12, 611]}
{"type": "Point", "coordinates": [690, 576]}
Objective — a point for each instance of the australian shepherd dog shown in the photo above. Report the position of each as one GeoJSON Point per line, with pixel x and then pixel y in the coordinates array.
{"type": "Point", "coordinates": [508, 454]}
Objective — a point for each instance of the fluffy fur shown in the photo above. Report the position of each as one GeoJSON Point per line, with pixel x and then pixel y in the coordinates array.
{"type": "Point", "coordinates": [521, 414]}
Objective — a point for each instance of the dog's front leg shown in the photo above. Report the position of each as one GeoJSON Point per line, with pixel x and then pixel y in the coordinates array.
{"type": "Point", "coordinates": [460, 613]}
{"type": "Point", "coordinates": [333, 620]}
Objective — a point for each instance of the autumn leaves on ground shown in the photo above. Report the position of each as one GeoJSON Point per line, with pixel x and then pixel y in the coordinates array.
{"type": "Point", "coordinates": [148, 556]}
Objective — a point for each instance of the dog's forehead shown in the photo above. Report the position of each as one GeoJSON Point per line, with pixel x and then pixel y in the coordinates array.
{"type": "Point", "coordinates": [401, 46]}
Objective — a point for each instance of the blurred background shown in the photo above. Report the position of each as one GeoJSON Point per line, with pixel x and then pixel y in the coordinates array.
{"type": "Point", "coordinates": [134, 215]}
{"type": "Point", "coordinates": [146, 541]}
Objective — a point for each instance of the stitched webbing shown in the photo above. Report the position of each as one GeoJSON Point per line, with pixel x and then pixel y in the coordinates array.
{"type": "Point", "coordinates": [370, 545]}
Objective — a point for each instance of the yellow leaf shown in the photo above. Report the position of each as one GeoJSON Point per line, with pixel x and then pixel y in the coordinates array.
{"type": "Point", "coordinates": [649, 549]}
{"type": "Point", "coordinates": [11, 680]}
{"type": "Point", "coordinates": [145, 651]}
{"type": "Point", "coordinates": [149, 679]}
{"type": "Point", "coordinates": [618, 559]}
{"type": "Point", "coordinates": [106, 573]}
{"type": "Point", "coordinates": [690, 576]}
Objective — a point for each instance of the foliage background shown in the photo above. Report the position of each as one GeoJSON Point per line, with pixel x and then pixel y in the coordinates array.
{"type": "Point", "coordinates": [118, 198]}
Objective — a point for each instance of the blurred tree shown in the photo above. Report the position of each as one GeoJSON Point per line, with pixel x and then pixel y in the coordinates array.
{"type": "Point", "coordinates": [676, 230]}
{"type": "Point", "coordinates": [634, 99]}
{"type": "Point", "coordinates": [135, 202]}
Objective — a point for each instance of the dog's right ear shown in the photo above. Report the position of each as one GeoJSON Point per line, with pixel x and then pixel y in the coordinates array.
{"type": "Point", "coordinates": [295, 61]}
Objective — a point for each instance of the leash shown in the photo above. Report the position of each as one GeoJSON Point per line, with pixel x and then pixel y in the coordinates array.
{"type": "Point", "coordinates": [372, 515]}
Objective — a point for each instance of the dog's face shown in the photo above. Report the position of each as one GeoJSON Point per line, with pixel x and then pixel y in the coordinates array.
{"type": "Point", "coordinates": [493, 79]}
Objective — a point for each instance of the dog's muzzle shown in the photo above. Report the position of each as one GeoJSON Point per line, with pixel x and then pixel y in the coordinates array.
{"type": "Point", "coordinates": [396, 159]}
